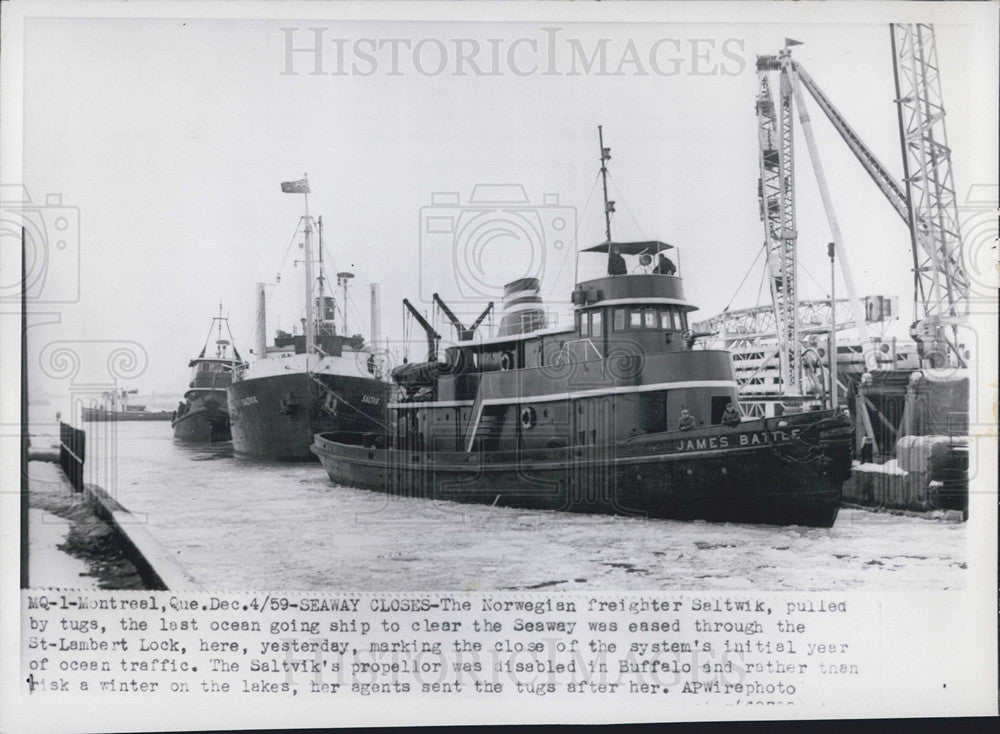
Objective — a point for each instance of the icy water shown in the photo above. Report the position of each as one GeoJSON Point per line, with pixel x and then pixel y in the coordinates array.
{"type": "Point", "coordinates": [239, 524]}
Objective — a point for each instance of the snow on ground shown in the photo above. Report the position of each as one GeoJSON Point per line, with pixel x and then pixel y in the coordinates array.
{"type": "Point", "coordinates": [49, 567]}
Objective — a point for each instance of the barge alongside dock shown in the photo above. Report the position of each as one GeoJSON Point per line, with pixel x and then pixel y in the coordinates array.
{"type": "Point", "coordinates": [115, 406]}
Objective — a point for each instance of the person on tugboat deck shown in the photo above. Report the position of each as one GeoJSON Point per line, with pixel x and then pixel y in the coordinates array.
{"type": "Point", "coordinates": [730, 416]}
{"type": "Point", "coordinates": [686, 422]}
{"type": "Point", "coordinates": [616, 263]}
{"type": "Point", "coordinates": [665, 266]}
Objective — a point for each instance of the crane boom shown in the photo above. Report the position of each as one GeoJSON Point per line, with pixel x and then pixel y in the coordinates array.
{"type": "Point", "coordinates": [831, 216]}
{"type": "Point", "coordinates": [464, 333]}
{"type": "Point", "coordinates": [432, 336]}
{"type": "Point", "coordinates": [941, 285]}
{"type": "Point", "coordinates": [885, 181]}
{"type": "Point", "coordinates": [777, 211]}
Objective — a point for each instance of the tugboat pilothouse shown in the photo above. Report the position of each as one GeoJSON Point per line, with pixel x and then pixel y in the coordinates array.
{"type": "Point", "coordinates": [619, 414]}
{"type": "Point", "coordinates": [319, 380]}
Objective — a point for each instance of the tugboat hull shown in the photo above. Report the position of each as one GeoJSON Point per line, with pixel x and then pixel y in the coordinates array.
{"type": "Point", "coordinates": [206, 420]}
{"type": "Point", "coordinates": [785, 471]}
{"type": "Point", "coordinates": [275, 417]}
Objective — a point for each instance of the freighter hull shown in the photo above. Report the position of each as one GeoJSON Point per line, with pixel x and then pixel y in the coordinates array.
{"type": "Point", "coordinates": [758, 472]}
{"type": "Point", "coordinates": [205, 420]}
{"type": "Point", "coordinates": [275, 417]}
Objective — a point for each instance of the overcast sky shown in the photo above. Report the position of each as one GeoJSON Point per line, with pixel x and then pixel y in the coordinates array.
{"type": "Point", "coordinates": [172, 137]}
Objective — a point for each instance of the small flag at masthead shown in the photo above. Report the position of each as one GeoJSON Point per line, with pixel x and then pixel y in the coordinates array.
{"type": "Point", "coordinates": [295, 187]}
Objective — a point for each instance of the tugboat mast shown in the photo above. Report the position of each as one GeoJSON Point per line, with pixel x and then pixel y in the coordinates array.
{"type": "Point", "coordinates": [609, 206]}
{"type": "Point", "coordinates": [219, 351]}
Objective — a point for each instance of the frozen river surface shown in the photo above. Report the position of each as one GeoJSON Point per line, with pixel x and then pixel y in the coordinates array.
{"type": "Point", "coordinates": [238, 525]}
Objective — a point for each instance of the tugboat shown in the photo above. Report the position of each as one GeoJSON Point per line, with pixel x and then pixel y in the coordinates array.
{"type": "Point", "coordinates": [618, 414]}
{"type": "Point", "coordinates": [308, 383]}
{"type": "Point", "coordinates": [203, 415]}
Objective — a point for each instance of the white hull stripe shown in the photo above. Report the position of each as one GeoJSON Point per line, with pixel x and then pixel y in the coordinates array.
{"type": "Point", "coordinates": [522, 336]}
{"type": "Point", "coordinates": [625, 389]}
{"type": "Point", "coordinates": [621, 390]}
{"type": "Point", "coordinates": [435, 404]}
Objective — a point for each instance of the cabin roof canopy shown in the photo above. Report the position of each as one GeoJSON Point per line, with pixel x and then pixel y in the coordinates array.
{"type": "Point", "coordinates": [653, 247]}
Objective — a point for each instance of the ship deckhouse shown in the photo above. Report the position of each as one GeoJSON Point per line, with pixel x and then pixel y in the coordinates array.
{"type": "Point", "coordinates": [624, 368]}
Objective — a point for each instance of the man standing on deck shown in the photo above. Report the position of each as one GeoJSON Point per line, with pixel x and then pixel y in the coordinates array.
{"type": "Point", "coordinates": [616, 263]}
{"type": "Point", "coordinates": [686, 422]}
{"type": "Point", "coordinates": [665, 266]}
{"type": "Point", "coordinates": [731, 416]}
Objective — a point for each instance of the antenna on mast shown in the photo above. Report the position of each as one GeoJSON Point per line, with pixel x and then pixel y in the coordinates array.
{"type": "Point", "coordinates": [321, 278]}
{"type": "Point", "coordinates": [609, 206]}
{"type": "Point", "coordinates": [218, 341]}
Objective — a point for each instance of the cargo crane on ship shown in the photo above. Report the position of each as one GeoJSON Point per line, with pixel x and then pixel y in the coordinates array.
{"type": "Point", "coordinates": [463, 333]}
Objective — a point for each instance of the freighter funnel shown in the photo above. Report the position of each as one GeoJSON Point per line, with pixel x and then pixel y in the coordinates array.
{"type": "Point", "coordinates": [522, 307]}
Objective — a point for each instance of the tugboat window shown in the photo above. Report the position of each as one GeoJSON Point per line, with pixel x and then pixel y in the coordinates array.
{"type": "Point", "coordinates": [649, 318]}
{"type": "Point", "coordinates": [595, 324]}
{"type": "Point", "coordinates": [635, 319]}
{"type": "Point", "coordinates": [665, 319]}
{"type": "Point", "coordinates": [619, 319]}
{"type": "Point", "coordinates": [584, 325]}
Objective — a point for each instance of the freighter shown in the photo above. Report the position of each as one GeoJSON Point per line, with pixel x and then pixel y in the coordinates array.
{"type": "Point", "coordinates": [203, 415]}
{"type": "Point", "coordinates": [316, 381]}
{"type": "Point", "coordinates": [620, 413]}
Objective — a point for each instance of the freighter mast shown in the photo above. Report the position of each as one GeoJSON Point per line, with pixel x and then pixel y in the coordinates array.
{"type": "Point", "coordinates": [322, 276]}
{"type": "Point", "coordinates": [310, 316]}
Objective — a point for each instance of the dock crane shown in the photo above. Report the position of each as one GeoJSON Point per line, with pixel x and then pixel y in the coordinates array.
{"type": "Point", "coordinates": [925, 201]}
{"type": "Point", "coordinates": [776, 192]}
{"type": "Point", "coordinates": [941, 285]}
